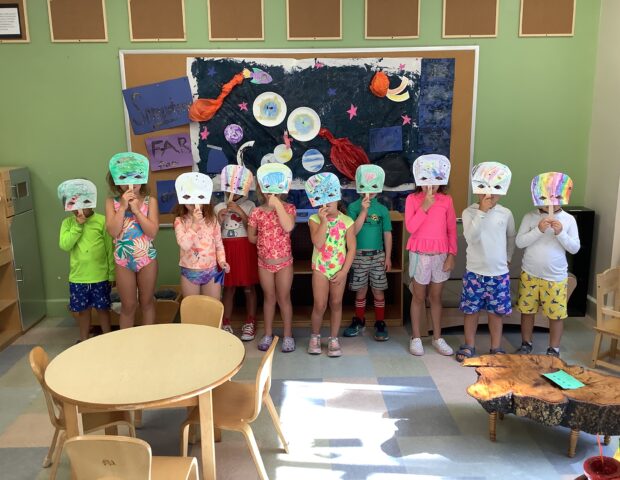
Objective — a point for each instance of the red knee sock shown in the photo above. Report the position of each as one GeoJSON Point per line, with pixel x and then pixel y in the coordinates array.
{"type": "Point", "coordinates": [226, 321]}
{"type": "Point", "coordinates": [251, 319]}
{"type": "Point", "coordinates": [360, 307]}
{"type": "Point", "coordinates": [379, 310]}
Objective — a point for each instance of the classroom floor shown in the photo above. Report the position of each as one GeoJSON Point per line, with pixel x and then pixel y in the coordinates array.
{"type": "Point", "coordinates": [375, 413]}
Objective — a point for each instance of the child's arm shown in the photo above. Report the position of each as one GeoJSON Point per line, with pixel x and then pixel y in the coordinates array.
{"type": "Point", "coordinates": [414, 217]}
{"type": "Point", "coordinates": [529, 231]}
{"type": "Point", "coordinates": [510, 237]}
{"type": "Point", "coordinates": [341, 276]}
{"type": "Point", "coordinates": [359, 215]}
{"type": "Point", "coordinates": [70, 233]}
{"type": "Point", "coordinates": [472, 225]}
{"type": "Point", "coordinates": [569, 237]}
{"type": "Point", "coordinates": [287, 221]}
{"type": "Point", "coordinates": [109, 251]}
{"type": "Point", "coordinates": [451, 229]}
{"type": "Point", "coordinates": [387, 242]}
{"type": "Point", "coordinates": [150, 223]}
{"type": "Point", "coordinates": [186, 235]}
{"type": "Point", "coordinates": [114, 219]}
{"type": "Point", "coordinates": [219, 248]}
{"type": "Point", "coordinates": [252, 233]}
{"type": "Point", "coordinates": [318, 230]}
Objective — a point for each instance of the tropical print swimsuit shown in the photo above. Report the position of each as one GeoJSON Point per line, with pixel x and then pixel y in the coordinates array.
{"type": "Point", "coordinates": [331, 257]}
{"type": "Point", "coordinates": [133, 249]}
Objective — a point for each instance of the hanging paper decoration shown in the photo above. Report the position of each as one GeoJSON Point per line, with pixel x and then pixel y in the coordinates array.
{"type": "Point", "coordinates": [268, 158]}
{"type": "Point", "coordinates": [129, 168]}
{"type": "Point", "coordinates": [236, 179]}
{"type": "Point", "coordinates": [323, 188]}
{"type": "Point", "coordinates": [431, 169]}
{"type": "Point", "coordinates": [240, 151]}
{"type": "Point", "coordinates": [269, 109]}
{"type": "Point", "coordinates": [274, 178]}
{"type": "Point", "coordinates": [216, 159]}
{"type": "Point", "coordinates": [345, 156]}
{"type": "Point", "coordinates": [193, 188]}
{"type": "Point", "coordinates": [77, 194]}
{"type": "Point", "coordinates": [283, 153]}
{"type": "Point", "coordinates": [312, 160]}
{"type": "Point", "coordinates": [490, 178]}
{"type": "Point", "coordinates": [551, 188]}
{"type": "Point", "coordinates": [303, 124]}
{"type": "Point", "coordinates": [204, 109]}
{"type": "Point", "coordinates": [257, 76]}
{"type": "Point", "coordinates": [380, 87]}
{"type": "Point", "coordinates": [233, 133]}
{"type": "Point", "coordinates": [369, 179]}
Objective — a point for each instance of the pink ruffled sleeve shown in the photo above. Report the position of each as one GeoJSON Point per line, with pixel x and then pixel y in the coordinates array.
{"type": "Point", "coordinates": [451, 226]}
{"type": "Point", "coordinates": [414, 215]}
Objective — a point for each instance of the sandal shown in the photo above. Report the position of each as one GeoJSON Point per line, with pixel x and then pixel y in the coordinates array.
{"type": "Point", "coordinates": [497, 351]}
{"type": "Point", "coordinates": [465, 351]}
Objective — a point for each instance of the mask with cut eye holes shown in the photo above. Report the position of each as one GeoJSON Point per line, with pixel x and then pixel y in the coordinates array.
{"type": "Point", "coordinates": [129, 168]}
{"type": "Point", "coordinates": [490, 178]}
{"type": "Point", "coordinates": [77, 194]}
{"type": "Point", "coordinates": [431, 170]}
{"type": "Point", "coordinates": [322, 188]}
{"type": "Point", "coordinates": [274, 178]}
{"type": "Point", "coordinates": [236, 179]}
{"type": "Point", "coordinates": [369, 179]}
{"type": "Point", "coordinates": [193, 188]}
{"type": "Point", "coordinates": [551, 188]}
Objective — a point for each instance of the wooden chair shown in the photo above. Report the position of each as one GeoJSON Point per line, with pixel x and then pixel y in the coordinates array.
{"type": "Point", "coordinates": [101, 457]}
{"type": "Point", "coordinates": [607, 318]}
{"type": "Point", "coordinates": [202, 310]}
{"type": "Point", "coordinates": [236, 405]}
{"type": "Point", "coordinates": [91, 421]}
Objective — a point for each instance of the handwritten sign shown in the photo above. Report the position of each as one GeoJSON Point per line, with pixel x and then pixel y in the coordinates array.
{"type": "Point", "coordinates": [169, 151]}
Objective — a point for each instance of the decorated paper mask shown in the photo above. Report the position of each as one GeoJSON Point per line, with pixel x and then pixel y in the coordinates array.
{"type": "Point", "coordinates": [77, 194]}
{"type": "Point", "coordinates": [129, 168]}
{"type": "Point", "coordinates": [322, 188]}
{"type": "Point", "coordinates": [431, 170]}
{"type": "Point", "coordinates": [490, 178]}
{"type": "Point", "coordinates": [274, 178]}
{"type": "Point", "coordinates": [551, 188]}
{"type": "Point", "coordinates": [236, 179]}
{"type": "Point", "coordinates": [193, 188]}
{"type": "Point", "coordinates": [369, 179]}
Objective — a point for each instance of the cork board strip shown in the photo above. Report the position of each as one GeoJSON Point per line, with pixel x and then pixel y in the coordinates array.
{"type": "Point", "coordinates": [550, 18]}
{"type": "Point", "coordinates": [236, 20]}
{"type": "Point", "coordinates": [77, 20]}
{"type": "Point", "coordinates": [157, 20]}
{"type": "Point", "coordinates": [470, 18]}
{"type": "Point", "coordinates": [392, 19]}
{"type": "Point", "coordinates": [316, 20]}
{"type": "Point", "coordinates": [23, 21]}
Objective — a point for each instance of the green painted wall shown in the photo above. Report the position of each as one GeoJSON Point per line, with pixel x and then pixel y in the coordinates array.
{"type": "Point", "coordinates": [62, 114]}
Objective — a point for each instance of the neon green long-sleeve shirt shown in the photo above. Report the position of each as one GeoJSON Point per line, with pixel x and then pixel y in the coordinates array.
{"type": "Point", "coordinates": [90, 249]}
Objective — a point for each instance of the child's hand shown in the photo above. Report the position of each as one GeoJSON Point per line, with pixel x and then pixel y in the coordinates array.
{"type": "Point", "coordinates": [388, 264]}
{"type": "Point", "coordinates": [429, 199]}
{"type": "Point", "coordinates": [221, 214]}
{"type": "Point", "coordinates": [556, 225]}
{"type": "Point", "coordinates": [273, 201]}
{"type": "Point", "coordinates": [80, 218]}
{"type": "Point", "coordinates": [365, 203]}
{"type": "Point", "coordinates": [339, 278]}
{"type": "Point", "coordinates": [126, 199]}
{"type": "Point", "coordinates": [224, 266]}
{"type": "Point", "coordinates": [448, 265]}
{"type": "Point", "coordinates": [544, 224]}
{"type": "Point", "coordinates": [197, 215]}
{"type": "Point", "coordinates": [322, 213]}
{"type": "Point", "coordinates": [234, 207]}
{"type": "Point", "coordinates": [485, 204]}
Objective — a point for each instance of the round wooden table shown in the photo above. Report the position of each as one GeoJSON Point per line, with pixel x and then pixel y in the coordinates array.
{"type": "Point", "coordinates": [147, 367]}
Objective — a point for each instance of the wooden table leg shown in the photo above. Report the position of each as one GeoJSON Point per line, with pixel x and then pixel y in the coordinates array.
{"type": "Point", "coordinates": [572, 444]}
{"type": "Point", "coordinates": [492, 425]}
{"type": "Point", "coordinates": [205, 405]}
{"type": "Point", "coordinates": [606, 439]}
{"type": "Point", "coordinates": [73, 422]}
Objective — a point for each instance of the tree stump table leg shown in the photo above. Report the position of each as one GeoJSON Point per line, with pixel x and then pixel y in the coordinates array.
{"type": "Point", "coordinates": [572, 445]}
{"type": "Point", "coordinates": [606, 439]}
{"type": "Point", "coordinates": [492, 425]}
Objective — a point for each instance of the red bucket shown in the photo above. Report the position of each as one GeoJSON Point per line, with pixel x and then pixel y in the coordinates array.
{"type": "Point", "coordinates": [608, 469]}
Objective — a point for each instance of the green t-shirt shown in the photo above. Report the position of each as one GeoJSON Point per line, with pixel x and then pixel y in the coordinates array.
{"type": "Point", "coordinates": [90, 249]}
{"type": "Point", "coordinates": [370, 237]}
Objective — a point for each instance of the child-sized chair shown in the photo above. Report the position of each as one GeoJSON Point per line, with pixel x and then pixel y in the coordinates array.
{"type": "Point", "coordinates": [202, 310]}
{"type": "Point", "coordinates": [607, 318]}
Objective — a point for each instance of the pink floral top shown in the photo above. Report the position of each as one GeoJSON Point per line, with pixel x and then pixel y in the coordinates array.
{"type": "Point", "coordinates": [433, 231]}
{"type": "Point", "coordinates": [201, 243]}
{"type": "Point", "coordinates": [332, 255]}
{"type": "Point", "coordinates": [272, 242]}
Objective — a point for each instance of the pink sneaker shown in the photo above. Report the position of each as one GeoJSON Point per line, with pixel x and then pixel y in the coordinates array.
{"type": "Point", "coordinates": [333, 347]}
{"type": "Point", "coordinates": [248, 331]}
{"type": "Point", "coordinates": [314, 346]}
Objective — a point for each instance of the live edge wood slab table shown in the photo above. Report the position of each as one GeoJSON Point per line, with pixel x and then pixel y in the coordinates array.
{"type": "Point", "coordinates": [514, 384]}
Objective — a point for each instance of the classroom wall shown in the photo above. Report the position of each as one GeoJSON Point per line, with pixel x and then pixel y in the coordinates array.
{"type": "Point", "coordinates": [62, 110]}
{"type": "Point", "coordinates": [604, 157]}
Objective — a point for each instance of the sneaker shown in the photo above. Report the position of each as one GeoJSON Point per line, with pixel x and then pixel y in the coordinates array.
{"type": "Point", "coordinates": [357, 326]}
{"type": "Point", "coordinates": [265, 343]}
{"type": "Point", "coordinates": [381, 333]}
{"type": "Point", "coordinates": [227, 327]}
{"type": "Point", "coordinates": [553, 352]}
{"type": "Point", "coordinates": [314, 346]}
{"type": "Point", "coordinates": [525, 348]}
{"type": "Point", "coordinates": [288, 344]}
{"type": "Point", "coordinates": [333, 347]}
{"type": "Point", "coordinates": [415, 347]}
{"type": "Point", "coordinates": [442, 347]}
{"type": "Point", "coordinates": [248, 331]}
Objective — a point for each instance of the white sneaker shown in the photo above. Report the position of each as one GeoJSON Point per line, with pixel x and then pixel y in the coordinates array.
{"type": "Point", "coordinates": [415, 346]}
{"type": "Point", "coordinates": [442, 347]}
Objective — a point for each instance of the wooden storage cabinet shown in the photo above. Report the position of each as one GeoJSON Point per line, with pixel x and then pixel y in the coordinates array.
{"type": "Point", "coordinates": [10, 323]}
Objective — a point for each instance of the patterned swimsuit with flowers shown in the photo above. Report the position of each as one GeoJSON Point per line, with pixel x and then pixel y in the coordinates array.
{"type": "Point", "coordinates": [331, 257]}
{"type": "Point", "coordinates": [133, 249]}
{"type": "Point", "coordinates": [272, 241]}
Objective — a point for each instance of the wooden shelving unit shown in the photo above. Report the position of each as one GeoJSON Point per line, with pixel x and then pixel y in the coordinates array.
{"type": "Point", "coordinates": [10, 322]}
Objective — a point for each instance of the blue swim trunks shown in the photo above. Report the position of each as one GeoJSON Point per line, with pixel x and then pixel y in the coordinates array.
{"type": "Point", "coordinates": [83, 296]}
{"type": "Point", "coordinates": [486, 293]}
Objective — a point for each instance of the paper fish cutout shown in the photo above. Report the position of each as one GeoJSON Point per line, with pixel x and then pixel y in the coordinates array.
{"type": "Point", "coordinates": [369, 179]}
{"type": "Point", "coordinates": [236, 179]}
{"type": "Point", "coordinates": [129, 168]}
{"type": "Point", "coordinates": [77, 194]}
{"type": "Point", "coordinates": [193, 188]}
{"type": "Point", "coordinates": [551, 188]}
{"type": "Point", "coordinates": [490, 178]}
{"type": "Point", "coordinates": [431, 170]}
{"type": "Point", "coordinates": [274, 178]}
{"type": "Point", "coordinates": [323, 188]}
{"type": "Point", "coordinates": [257, 76]}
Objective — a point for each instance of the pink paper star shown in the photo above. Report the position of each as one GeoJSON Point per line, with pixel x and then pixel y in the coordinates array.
{"type": "Point", "coordinates": [243, 106]}
{"type": "Point", "coordinates": [204, 133]}
{"type": "Point", "coordinates": [401, 66]}
{"type": "Point", "coordinates": [352, 111]}
{"type": "Point", "coordinates": [318, 64]}
{"type": "Point", "coordinates": [287, 139]}
{"type": "Point", "coordinates": [406, 119]}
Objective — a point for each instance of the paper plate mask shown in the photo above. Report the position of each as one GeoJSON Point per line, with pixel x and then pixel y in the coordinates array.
{"type": "Point", "coordinates": [490, 178]}
{"type": "Point", "coordinates": [129, 168]}
{"type": "Point", "coordinates": [369, 179]}
{"type": "Point", "coordinates": [269, 109]}
{"type": "Point", "coordinates": [431, 170]}
{"type": "Point", "coordinates": [322, 188]}
{"type": "Point", "coordinates": [551, 188]}
{"type": "Point", "coordinates": [193, 188]}
{"type": "Point", "coordinates": [236, 179]}
{"type": "Point", "coordinates": [303, 124]}
{"type": "Point", "coordinates": [77, 194]}
{"type": "Point", "coordinates": [274, 178]}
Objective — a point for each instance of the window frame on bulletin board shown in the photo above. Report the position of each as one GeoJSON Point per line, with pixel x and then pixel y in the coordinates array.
{"type": "Point", "coordinates": [241, 37]}
{"type": "Point", "coordinates": [182, 38]}
{"type": "Point", "coordinates": [389, 37]}
{"type": "Point", "coordinates": [103, 39]}
{"type": "Point", "coordinates": [443, 25]}
{"type": "Point", "coordinates": [22, 13]}
{"type": "Point", "coordinates": [288, 25]}
{"type": "Point", "coordinates": [566, 34]}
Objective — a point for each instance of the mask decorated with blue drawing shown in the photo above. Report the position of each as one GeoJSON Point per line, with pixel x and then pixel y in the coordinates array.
{"type": "Point", "coordinates": [274, 178]}
{"type": "Point", "coordinates": [129, 168]}
{"type": "Point", "coordinates": [323, 188]}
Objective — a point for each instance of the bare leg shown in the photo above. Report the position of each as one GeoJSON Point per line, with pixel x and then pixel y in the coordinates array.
{"type": "Point", "coordinates": [527, 327]}
{"type": "Point", "coordinates": [83, 320]}
{"type": "Point", "coordinates": [320, 290]}
{"type": "Point", "coordinates": [147, 277]}
{"type": "Point", "coordinates": [212, 289]}
{"type": "Point", "coordinates": [268, 284]}
{"type": "Point", "coordinates": [188, 288]}
{"type": "Point", "coordinates": [417, 307]}
{"type": "Point", "coordinates": [495, 328]}
{"type": "Point", "coordinates": [250, 300]}
{"type": "Point", "coordinates": [128, 291]}
{"type": "Point", "coordinates": [284, 280]}
{"type": "Point", "coordinates": [434, 295]}
{"type": "Point", "coordinates": [335, 306]}
{"type": "Point", "coordinates": [556, 328]}
{"type": "Point", "coordinates": [471, 326]}
{"type": "Point", "coordinates": [104, 320]}
{"type": "Point", "coordinates": [228, 299]}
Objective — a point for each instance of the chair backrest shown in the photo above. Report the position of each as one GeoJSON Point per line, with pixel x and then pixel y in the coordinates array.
{"type": "Point", "coordinates": [38, 362]}
{"type": "Point", "coordinates": [263, 379]}
{"type": "Point", "coordinates": [109, 457]}
{"type": "Point", "coordinates": [608, 285]}
{"type": "Point", "coordinates": [202, 310]}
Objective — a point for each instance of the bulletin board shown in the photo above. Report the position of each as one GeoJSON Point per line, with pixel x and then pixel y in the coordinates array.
{"type": "Point", "coordinates": [316, 20]}
{"type": "Point", "coordinates": [392, 19]}
{"type": "Point", "coordinates": [470, 18]}
{"type": "Point", "coordinates": [156, 20]}
{"type": "Point", "coordinates": [547, 18]}
{"type": "Point", "coordinates": [149, 67]}
{"type": "Point", "coordinates": [236, 20]}
{"type": "Point", "coordinates": [77, 20]}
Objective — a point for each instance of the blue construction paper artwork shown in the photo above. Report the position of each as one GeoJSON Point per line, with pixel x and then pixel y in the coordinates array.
{"type": "Point", "coordinates": [386, 139]}
{"type": "Point", "coordinates": [216, 160]}
{"type": "Point", "coordinates": [159, 105]}
{"type": "Point", "coordinates": [166, 195]}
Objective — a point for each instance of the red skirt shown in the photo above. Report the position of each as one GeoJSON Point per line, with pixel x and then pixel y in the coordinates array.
{"type": "Point", "coordinates": [241, 256]}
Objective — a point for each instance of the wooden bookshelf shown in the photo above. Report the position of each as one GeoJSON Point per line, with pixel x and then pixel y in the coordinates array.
{"type": "Point", "coordinates": [10, 321]}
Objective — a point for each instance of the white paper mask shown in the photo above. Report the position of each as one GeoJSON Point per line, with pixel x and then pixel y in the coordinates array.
{"type": "Point", "coordinates": [193, 188]}
{"type": "Point", "coordinates": [490, 178]}
{"type": "Point", "coordinates": [77, 194]}
{"type": "Point", "coordinates": [431, 170]}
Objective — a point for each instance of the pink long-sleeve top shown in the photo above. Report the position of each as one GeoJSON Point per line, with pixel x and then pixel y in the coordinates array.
{"type": "Point", "coordinates": [433, 231]}
{"type": "Point", "coordinates": [201, 246]}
